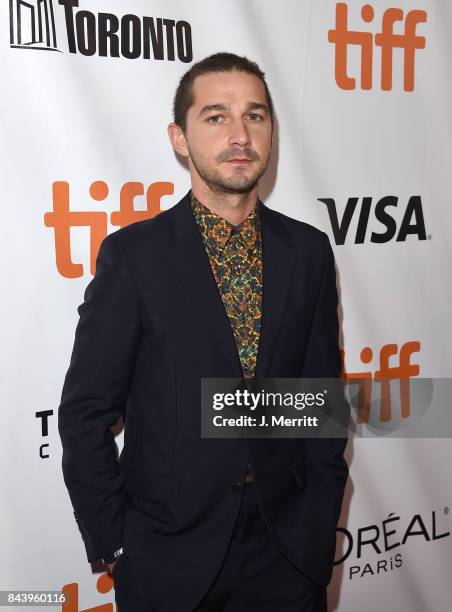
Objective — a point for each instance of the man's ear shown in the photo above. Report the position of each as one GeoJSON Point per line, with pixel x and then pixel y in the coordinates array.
{"type": "Point", "coordinates": [177, 138]}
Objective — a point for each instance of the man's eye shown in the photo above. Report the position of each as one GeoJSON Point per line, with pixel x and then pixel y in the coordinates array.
{"type": "Point", "coordinates": [255, 117]}
{"type": "Point", "coordinates": [214, 118]}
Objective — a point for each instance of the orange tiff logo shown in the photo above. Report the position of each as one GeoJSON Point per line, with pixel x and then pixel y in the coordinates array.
{"type": "Point", "coordinates": [62, 218]}
{"type": "Point", "coordinates": [402, 370]}
{"type": "Point", "coordinates": [387, 40]}
{"type": "Point", "coordinates": [104, 585]}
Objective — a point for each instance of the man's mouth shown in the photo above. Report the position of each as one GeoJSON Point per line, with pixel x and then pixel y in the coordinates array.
{"type": "Point", "coordinates": [239, 160]}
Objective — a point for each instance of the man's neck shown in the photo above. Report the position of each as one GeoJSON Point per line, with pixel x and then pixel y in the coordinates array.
{"type": "Point", "coordinates": [234, 207]}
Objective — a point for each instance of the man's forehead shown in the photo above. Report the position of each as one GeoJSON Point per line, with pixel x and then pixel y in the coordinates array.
{"type": "Point", "coordinates": [227, 88]}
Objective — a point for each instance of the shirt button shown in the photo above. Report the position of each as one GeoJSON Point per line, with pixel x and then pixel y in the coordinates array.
{"type": "Point", "coordinates": [237, 487]}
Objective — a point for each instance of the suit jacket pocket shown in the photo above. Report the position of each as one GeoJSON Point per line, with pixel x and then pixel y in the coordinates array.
{"type": "Point", "coordinates": [162, 488]}
{"type": "Point", "coordinates": [154, 496]}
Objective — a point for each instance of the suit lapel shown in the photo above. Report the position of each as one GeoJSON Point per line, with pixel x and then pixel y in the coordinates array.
{"type": "Point", "coordinates": [278, 259]}
{"type": "Point", "coordinates": [189, 256]}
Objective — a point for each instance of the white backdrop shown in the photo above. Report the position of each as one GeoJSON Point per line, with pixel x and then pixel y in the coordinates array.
{"type": "Point", "coordinates": [71, 119]}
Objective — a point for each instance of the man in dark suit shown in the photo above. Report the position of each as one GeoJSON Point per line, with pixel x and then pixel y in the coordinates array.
{"type": "Point", "coordinates": [218, 286]}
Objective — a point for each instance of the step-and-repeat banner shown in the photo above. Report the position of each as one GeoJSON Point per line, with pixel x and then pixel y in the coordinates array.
{"type": "Point", "coordinates": [363, 95]}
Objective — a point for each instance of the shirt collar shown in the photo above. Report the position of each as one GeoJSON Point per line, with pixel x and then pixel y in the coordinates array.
{"type": "Point", "coordinates": [217, 230]}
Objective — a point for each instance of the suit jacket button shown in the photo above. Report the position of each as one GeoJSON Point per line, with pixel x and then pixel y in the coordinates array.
{"type": "Point", "coordinates": [237, 487]}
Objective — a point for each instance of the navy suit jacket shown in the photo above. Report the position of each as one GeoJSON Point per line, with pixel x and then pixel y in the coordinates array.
{"type": "Point", "coordinates": [152, 324]}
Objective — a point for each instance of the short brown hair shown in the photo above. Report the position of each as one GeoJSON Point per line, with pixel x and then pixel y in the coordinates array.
{"type": "Point", "coordinates": [219, 62]}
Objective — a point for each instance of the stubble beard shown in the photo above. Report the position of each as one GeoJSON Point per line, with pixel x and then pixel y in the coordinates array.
{"type": "Point", "coordinates": [218, 183]}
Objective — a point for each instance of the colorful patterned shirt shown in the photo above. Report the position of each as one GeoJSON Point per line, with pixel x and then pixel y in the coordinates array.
{"type": "Point", "coordinates": [235, 254]}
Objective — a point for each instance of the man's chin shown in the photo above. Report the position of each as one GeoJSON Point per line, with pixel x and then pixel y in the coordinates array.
{"type": "Point", "coordinates": [237, 188]}
{"type": "Point", "coordinates": [238, 184]}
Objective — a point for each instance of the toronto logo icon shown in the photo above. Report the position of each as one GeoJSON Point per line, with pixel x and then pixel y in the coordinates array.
{"type": "Point", "coordinates": [32, 25]}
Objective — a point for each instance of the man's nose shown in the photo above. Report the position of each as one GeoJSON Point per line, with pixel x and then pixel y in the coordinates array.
{"type": "Point", "coordinates": [239, 134]}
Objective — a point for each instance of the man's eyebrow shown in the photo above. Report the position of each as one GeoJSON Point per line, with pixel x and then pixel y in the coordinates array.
{"type": "Point", "coordinates": [224, 107]}
{"type": "Point", "coordinates": [257, 106]}
{"type": "Point", "coordinates": [211, 107]}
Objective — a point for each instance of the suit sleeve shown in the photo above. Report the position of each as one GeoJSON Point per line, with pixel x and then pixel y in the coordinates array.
{"type": "Point", "coordinates": [324, 456]}
{"type": "Point", "coordinates": [94, 396]}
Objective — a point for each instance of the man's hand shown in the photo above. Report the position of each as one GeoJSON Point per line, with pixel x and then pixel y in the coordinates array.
{"type": "Point", "coordinates": [110, 567]}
